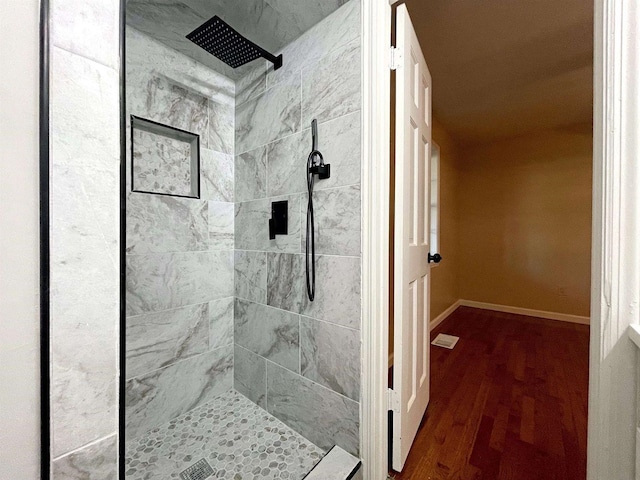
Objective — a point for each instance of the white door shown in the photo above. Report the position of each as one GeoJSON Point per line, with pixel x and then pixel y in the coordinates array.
{"type": "Point", "coordinates": [410, 393]}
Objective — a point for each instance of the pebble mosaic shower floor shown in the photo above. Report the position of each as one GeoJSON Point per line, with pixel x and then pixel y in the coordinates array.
{"type": "Point", "coordinates": [237, 438]}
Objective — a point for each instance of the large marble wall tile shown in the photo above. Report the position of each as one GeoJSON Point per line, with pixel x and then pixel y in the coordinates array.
{"type": "Point", "coordinates": [330, 355]}
{"type": "Point", "coordinates": [169, 21]}
{"type": "Point", "coordinates": [146, 55]}
{"type": "Point", "coordinates": [159, 224]}
{"type": "Point", "coordinates": [221, 126]}
{"type": "Point", "coordinates": [216, 176]}
{"type": "Point", "coordinates": [221, 323]}
{"type": "Point", "coordinates": [251, 175]}
{"type": "Point", "coordinates": [161, 281]}
{"type": "Point", "coordinates": [332, 32]}
{"type": "Point", "coordinates": [157, 397]}
{"type": "Point", "coordinates": [252, 226]}
{"type": "Point", "coordinates": [269, 332]}
{"type": "Point", "coordinates": [82, 90]}
{"type": "Point", "coordinates": [337, 221]}
{"type": "Point", "coordinates": [155, 340]}
{"type": "Point", "coordinates": [285, 281]}
{"type": "Point", "coordinates": [269, 116]}
{"type": "Point", "coordinates": [98, 461]}
{"type": "Point", "coordinates": [84, 250]}
{"type": "Point", "coordinates": [221, 218]}
{"type": "Point", "coordinates": [252, 84]}
{"type": "Point", "coordinates": [321, 415]}
{"type": "Point", "coordinates": [270, 24]}
{"type": "Point", "coordinates": [338, 141]}
{"type": "Point", "coordinates": [287, 164]}
{"type": "Point", "coordinates": [337, 297]}
{"type": "Point", "coordinates": [250, 375]}
{"type": "Point", "coordinates": [251, 275]}
{"type": "Point", "coordinates": [169, 102]}
{"type": "Point", "coordinates": [338, 289]}
{"type": "Point", "coordinates": [97, 39]}
{"type": "Point", "coordinates": [331, 87]}
{"type": "Point", "coordinates": [84, 313]}
{"type": "Point", "coordinates": [305, 13]}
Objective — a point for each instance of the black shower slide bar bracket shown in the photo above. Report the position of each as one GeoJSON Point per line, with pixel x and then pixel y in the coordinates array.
{"type": "Point", "coordinates": [315, 166]}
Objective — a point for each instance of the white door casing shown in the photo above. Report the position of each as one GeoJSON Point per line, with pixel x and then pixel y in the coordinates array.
{"type": "Point", "coordinates": [410, 394]}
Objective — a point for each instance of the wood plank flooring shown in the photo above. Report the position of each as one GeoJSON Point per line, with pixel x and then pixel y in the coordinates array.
{"type": "Point", "coordinates": [509, 402]}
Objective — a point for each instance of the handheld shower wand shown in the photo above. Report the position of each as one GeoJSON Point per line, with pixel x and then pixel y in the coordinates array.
{"type": "Point", "coordinates": [315, 166]}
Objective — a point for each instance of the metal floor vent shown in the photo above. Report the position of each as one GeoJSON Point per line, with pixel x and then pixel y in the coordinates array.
{"type": "Point", "coordinates": [446, 341]}
{"type": "Point", "coordinates": [198, 471]}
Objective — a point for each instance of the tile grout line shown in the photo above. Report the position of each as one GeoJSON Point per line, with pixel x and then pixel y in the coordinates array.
{"type": "Point", "coordinates": [180, 252]}
{"type": "Point", "coordinates": [113, 68]}
{"type": "Point", "coordinates": [206, 302]}
{"type": "Point", "coordinates": [300, 344]}
{"type": "Point", "coordinates": [301, 193]}
{"type": "Point", "coordinates": [291, 312]}
{"type": "Point", "coordinates": [294, 253]}
{"type": "Point", "coordinates": [266, 385]}
{"type": "Point", "coordinates": [302, 131]}
{"type": "Point", "coordinates": [85, 446]}
{"type": "Point", "coordinates": [180, 361]}
{"type": "Point", "coordinates": [312, 381]}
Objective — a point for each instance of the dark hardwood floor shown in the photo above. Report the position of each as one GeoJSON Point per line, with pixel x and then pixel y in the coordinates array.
{"type": "Point", "coordinates": [509, 402]}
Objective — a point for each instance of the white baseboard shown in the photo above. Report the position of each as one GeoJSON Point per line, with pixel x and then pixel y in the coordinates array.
{"type": "Point", "coordinates": [563, 317]}
{"type": "Point", "coordinates": [440, 318]}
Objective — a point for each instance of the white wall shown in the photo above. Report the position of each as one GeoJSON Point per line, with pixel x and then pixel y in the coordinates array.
{"type": "Point", "coordinates": [19, 264]}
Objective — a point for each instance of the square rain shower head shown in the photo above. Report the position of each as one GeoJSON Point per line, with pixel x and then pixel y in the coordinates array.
{"type": "Point", "coordinates": [219, 39]}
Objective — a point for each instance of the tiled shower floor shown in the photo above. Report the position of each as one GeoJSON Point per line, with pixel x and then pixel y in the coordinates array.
{"type": "Point", "coordinates": [239, 440]}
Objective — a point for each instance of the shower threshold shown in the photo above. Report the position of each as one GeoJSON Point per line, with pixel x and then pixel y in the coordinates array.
{"type": "Point", "coordinates": [238, 439]}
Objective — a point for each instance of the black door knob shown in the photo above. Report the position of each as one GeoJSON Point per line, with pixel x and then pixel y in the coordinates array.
{"type": "Point", "coordinates": [435, 258]}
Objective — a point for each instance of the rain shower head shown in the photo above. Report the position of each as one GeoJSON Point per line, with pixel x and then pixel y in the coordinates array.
{"type": "Point", "coordinates": [222, 41]}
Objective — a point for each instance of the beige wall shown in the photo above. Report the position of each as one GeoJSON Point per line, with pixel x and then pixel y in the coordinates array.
{"type": "Point", "coordinates": [524, 236]}
{"type": "Point", "coordinates": [19, 252]}
{"type": "Point", "coordinates": [515, 222]}
{"type": "Point", "coordinates": [444, 281]}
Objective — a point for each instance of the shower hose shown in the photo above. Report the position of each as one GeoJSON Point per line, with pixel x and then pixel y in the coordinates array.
{"type": "Point", "coordinates": [310, 240]}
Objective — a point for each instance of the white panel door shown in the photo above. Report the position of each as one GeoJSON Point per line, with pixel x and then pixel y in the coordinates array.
{"type": "Point", "coordinates": [410, 394]}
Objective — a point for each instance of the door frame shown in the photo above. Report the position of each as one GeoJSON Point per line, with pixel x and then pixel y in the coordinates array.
{"type": "Point", "coordinates": [615, 257]}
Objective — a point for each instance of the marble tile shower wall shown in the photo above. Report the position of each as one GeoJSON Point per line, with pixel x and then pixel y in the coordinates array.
{"type": "Point", "coordinates": [84, 232]}
{"type": "Point", "coordinates": [300, 360]}
{"type": "Point", "coordinates": [179, 276]}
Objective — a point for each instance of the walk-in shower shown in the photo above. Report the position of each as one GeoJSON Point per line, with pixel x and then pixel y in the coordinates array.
{"type": "Point", "coordinates": [242, 335]}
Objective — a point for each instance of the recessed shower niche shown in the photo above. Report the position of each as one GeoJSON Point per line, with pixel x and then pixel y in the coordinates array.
{"type": "Point", "coordinates": [231, 371]}
{"type": "Point", "coordinates": [164, 160]}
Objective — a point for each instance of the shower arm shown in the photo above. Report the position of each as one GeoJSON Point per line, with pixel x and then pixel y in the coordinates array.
{"type": "Point", "coordinates": [276, 60]}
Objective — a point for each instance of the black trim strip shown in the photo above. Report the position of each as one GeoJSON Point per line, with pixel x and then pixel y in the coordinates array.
{"type": "Point", "coordinates": [354, 471]}
{"type": "Point", "coordinates": [45, 272]}
{"type": "Point", "coordinates": [123, 238]}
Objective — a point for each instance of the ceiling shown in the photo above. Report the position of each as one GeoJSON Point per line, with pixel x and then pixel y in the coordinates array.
{"type": "Point", "coordinates": [272, 24]}
{"type": "Point", "coordinates": [503, 68]}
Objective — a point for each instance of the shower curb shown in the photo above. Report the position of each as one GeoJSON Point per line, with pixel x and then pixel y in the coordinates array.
{"type": "Point", "coordinates": [337, 464]}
